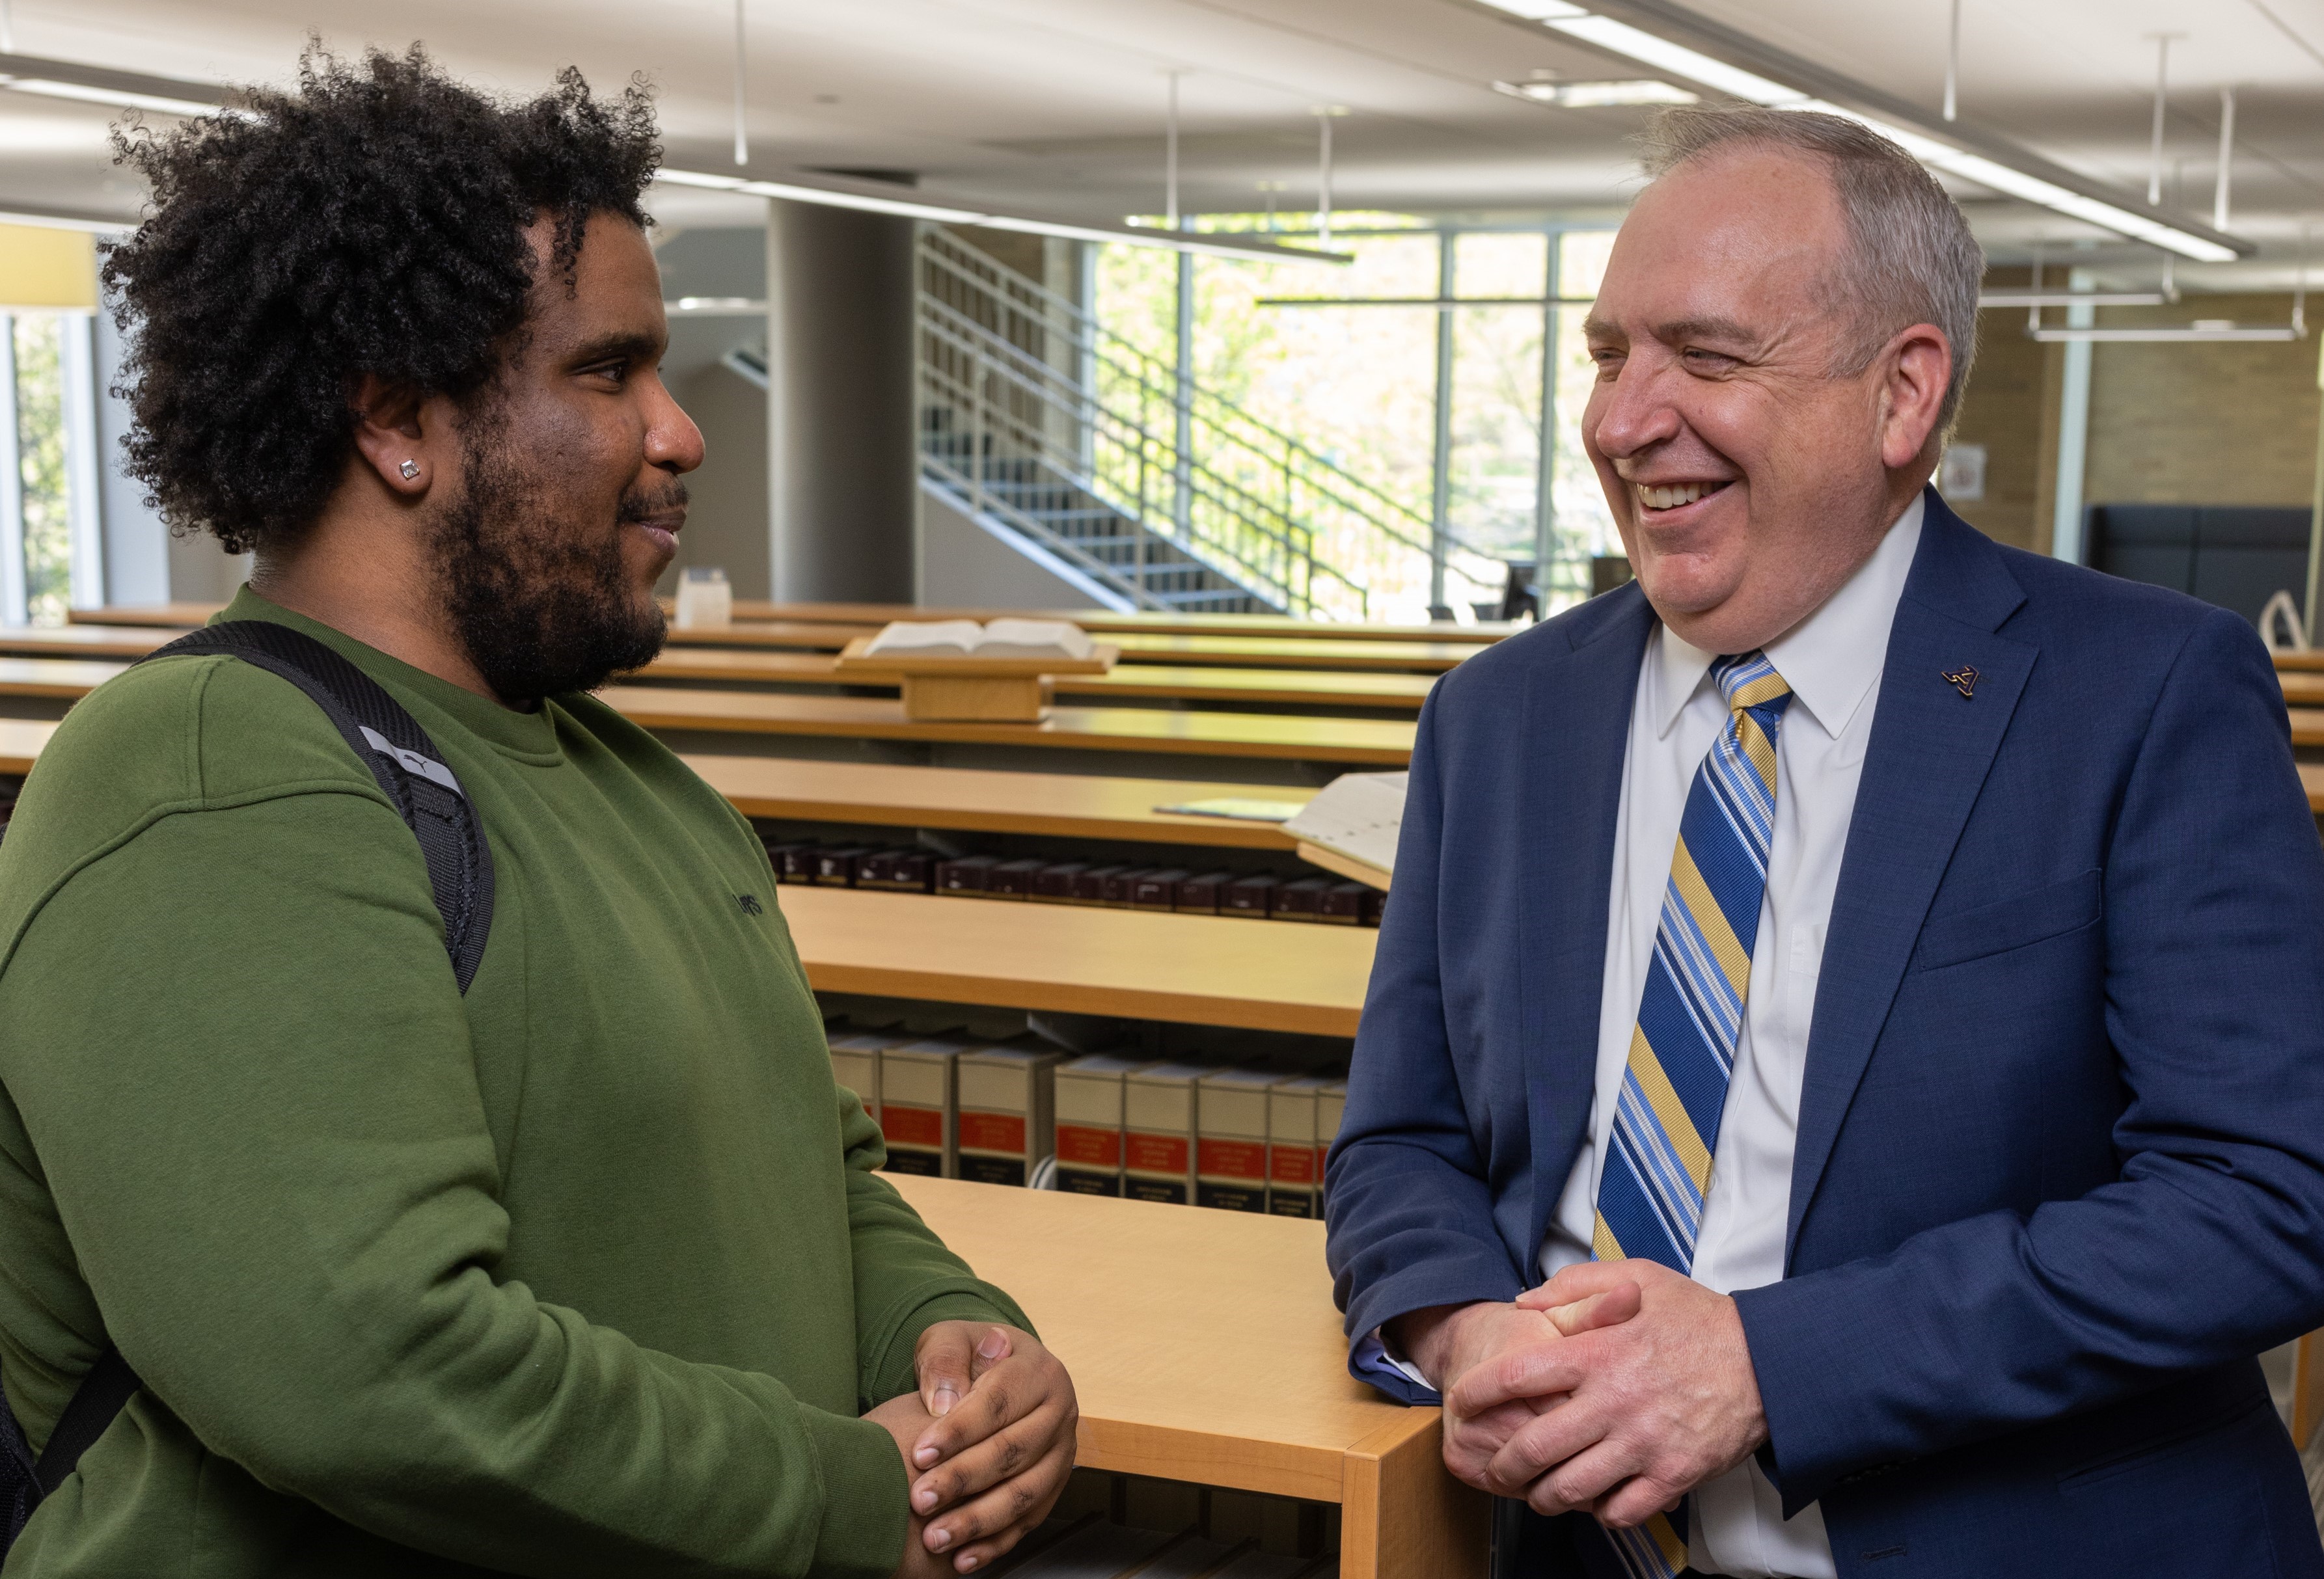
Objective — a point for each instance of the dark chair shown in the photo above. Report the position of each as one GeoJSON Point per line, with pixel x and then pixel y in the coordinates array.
{"type": "Point", "coordinates": [2237, 556]}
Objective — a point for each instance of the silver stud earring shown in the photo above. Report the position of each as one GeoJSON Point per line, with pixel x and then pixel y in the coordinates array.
{"type": "Point", "coordinates": [410, 469]}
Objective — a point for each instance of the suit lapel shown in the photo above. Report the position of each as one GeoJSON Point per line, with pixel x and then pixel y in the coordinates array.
{"type": "Point", "coordinates": [1928, 758]}
{"type": "Point", "coordinates": [1577, 720]}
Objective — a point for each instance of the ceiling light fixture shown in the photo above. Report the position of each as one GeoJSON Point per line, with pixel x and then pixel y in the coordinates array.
{"type": "Point", "coordinates": [1619, 38]}
{"type": "Point", "coordinates": [1591, 96]}
{"type": "Point", "coordinates": [1220, 246]}
{"type": "Point", "coordinates": [115, 98]}
{"type": "Point", "coordinates": [2072, 299]}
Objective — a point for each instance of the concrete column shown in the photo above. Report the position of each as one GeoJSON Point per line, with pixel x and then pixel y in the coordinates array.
{"type": "Point", "coordinates": [842, 457]}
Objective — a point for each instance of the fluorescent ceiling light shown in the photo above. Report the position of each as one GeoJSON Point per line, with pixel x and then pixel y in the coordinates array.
{"type": "Point", "coordinates": [941, 214]}
{"type": "Point", "coordinates": [2277, 332]}
{"type": "Point", "coordinates": [2072, 298]}
{"type": "Point", "coordinates": [1619, 38]}
{"type": "Point", "coordinates": [116, 98]}
{"type": "Point", "coordinates": [1537, 10]}
{"type": "Point", "coordinates": [1591, 95]}
{"type": "Point", "coordinates": [716, 306]}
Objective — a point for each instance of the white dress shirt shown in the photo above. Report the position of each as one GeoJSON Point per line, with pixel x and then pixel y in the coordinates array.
{"type": "Point", "coordinates": [1832, 662]}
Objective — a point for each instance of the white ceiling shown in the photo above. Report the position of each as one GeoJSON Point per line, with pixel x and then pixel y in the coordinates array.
{"type": "Point", "coordinates": [1057, 104]}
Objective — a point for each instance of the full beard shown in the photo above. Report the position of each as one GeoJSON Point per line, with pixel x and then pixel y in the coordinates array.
{"type": "Point", "coordinates": [543, 604]}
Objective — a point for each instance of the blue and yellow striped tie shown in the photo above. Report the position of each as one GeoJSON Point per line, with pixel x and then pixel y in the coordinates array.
{"type": "Point", "coordinates": [1657, 1168]}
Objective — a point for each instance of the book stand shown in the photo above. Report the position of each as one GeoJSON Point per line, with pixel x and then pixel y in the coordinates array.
{"type": "Point", "coordinates": [971, 690]}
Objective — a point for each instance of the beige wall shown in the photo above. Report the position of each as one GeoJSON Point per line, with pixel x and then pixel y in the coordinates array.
{"type": "Point", "coordinates": [2010, 397]}
{"type": "Point", "coordinates": [2221, 422]}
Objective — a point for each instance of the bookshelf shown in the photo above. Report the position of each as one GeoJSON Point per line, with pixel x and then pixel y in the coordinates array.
{"type": "Point", "coordinates": [1205, 1349]}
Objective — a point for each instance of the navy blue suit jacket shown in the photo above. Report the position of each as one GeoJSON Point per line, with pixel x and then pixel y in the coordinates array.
{"type": "Point", "coordinates": [2060, 1172]}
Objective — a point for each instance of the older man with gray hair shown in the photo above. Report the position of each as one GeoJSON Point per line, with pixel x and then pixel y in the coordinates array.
{"type": "Point", "coordinates": [1843, 1085]}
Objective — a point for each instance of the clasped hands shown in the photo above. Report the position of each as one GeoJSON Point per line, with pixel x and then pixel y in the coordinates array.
{"type": "Point", "coordinates": [1615, 1387]}
{"type": "Point", "coordinates": [987, 1444]}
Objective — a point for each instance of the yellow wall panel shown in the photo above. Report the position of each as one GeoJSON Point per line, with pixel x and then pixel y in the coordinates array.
{"type": "Point", "coordinates": [44, 268]}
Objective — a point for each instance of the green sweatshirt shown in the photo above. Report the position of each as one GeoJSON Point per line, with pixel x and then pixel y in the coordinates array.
{"type": "Point", "coordinates": [587, 1273]}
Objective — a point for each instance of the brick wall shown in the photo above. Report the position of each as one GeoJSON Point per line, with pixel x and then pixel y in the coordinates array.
{"type": "Point", "coordinates": [2204, 422]}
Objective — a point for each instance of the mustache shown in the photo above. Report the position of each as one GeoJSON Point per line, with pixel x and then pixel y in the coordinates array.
{"type": "Point", "coordinates": [639, 504]}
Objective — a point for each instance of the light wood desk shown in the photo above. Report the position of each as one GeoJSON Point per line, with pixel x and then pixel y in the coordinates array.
{"type": "Point", "coordinates": [976, 800]}
{"type": "Point", "coordinates": [70, 679]}
{"type": "Point", "coordinates": [1378, 743]}
{"type": "Point", "coordinates": [1138, 682]}
{"type": "Point", "coordinates": [184, 616]}
{"type": "Point", "coordinates": [1203, 1347]}
{"type": "Point", "coordinates": [22, 740]}
{"type": "Point", "coordinates": [85, 641]}
{"type": "Point", "coordinates": [1135, 964]}
{"type": "Point", "coordinates": [2302, 687]}
{"type": "Point", "coordinates": [1432, 656]}
{"type": "Point", "coordinates": [2307, 726]}
{"type": "Point", "coordinates": [1279, 737]}
{"type": "Point", "coordinates": [1167, 624]}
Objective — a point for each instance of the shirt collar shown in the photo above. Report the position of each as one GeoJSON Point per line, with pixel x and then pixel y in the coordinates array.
{"type": "Point", "coordinates": [1830, 659]}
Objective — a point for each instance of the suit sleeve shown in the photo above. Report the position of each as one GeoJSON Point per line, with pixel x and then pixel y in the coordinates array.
{"type": "Point", "coordinates": [1410, 1210]}
{"type": "Point", "coordinates": [2209, 1245]}
{"type": "Point", "coordinates": [286, 1199]}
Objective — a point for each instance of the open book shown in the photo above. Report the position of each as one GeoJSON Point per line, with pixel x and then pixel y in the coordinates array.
{"type": "Point", "coordinates": [1358, 816]}
{"type": "Point", "coordinates": [1002, 638]}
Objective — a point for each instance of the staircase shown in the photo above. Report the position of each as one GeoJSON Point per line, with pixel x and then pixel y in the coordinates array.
{"type": "Point", "coordinates": [1037, 421]}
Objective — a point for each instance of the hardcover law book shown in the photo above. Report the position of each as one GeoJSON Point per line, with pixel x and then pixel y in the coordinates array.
{"type": "Point", "coordinates": [1088, 1107]}
{"type": "Point", "coordinates": [1231, 1140]}
{"type": "Point", "coordinates": [1295, 1168]}
{"type": "Point", "coordinates": [1157, 1132]}
{"type": "Point", "coordinates": [920, 1105]}
{"type": "Point", "coordinates": [855, 1064]}
{"type": "Point", "coordinates": [1007, 1123]}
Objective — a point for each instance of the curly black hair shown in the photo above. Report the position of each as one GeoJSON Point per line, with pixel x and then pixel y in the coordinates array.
{"type": "Point", "coordinates": [371, 222]}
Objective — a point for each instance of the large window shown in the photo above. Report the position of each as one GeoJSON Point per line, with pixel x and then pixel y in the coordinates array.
{"type": "Point", "coordinates": [1355, 365]}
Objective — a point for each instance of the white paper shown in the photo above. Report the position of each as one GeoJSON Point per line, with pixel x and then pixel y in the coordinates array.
{"type": "Point", "coordinates": [1357, 814]}
{"type": "Point", "coordinates": [1003, 638]}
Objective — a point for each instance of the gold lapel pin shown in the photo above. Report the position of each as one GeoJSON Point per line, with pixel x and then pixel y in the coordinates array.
{"type": "Point", "coordinates": [1964, 679]}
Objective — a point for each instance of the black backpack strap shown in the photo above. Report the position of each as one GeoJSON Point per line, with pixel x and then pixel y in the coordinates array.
{"type": "Point", "coordinates": [390, 742]}
{"type": "Point", "coordinates": [101, 1395]}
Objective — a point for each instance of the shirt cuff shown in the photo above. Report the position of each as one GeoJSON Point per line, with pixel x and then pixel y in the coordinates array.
{"type": "Point", "coordinates": [1371, 1360]}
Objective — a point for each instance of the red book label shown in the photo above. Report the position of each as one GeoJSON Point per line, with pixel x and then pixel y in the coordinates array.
{"type": "Point", "coordinates": [1152, 1153]}
{"type": "Point", "coordinates": [993, 1131]}
{"type": "Point", "coordinates": [1292, 1165]}
{"type": "Point", "coordinates": [1217, 1159]}
{"type": "Point", "coordinates": [912, 1127]}
{"type": "Point", "coordinates": [1089, 1148]}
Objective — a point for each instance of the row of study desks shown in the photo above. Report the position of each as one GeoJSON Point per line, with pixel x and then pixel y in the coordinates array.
{"type": "Point", "coordinates": [1205, 647]}
{"type": "Point", "coordinates": [1214, 1356]}
{"type": "Point", "coordinates": [1191, 969]}
{"type": "Point", "coordinates": [1231, 1375]}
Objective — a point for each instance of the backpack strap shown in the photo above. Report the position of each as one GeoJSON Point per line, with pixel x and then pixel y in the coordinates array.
{"type": "Point", "coordinates": [390, 742]}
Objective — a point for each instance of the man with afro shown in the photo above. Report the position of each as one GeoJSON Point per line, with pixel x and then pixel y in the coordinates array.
{"type": "Point", "coordinates": [587, 1269]}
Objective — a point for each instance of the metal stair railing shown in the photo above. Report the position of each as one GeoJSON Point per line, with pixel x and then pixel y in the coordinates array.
{"type": "Point", "coordinates": [1012, 400]}
{"type": "Point", "coordinates": [1246, 495]}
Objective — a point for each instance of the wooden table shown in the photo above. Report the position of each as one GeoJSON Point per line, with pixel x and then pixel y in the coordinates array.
{"type": "Point", "coordinates": [22, 740]}
{"type": "Point", "coordinates": [1279, 737]}
{"type": "Point", "coordinates": [974, 800]}
{"type": "Point", "coordinates": [1139, 682]}
{"type": "Point", "coordinates": [1171, 624]}
{"type": "Point", "coordinates": [1133, 964]}
{"type": "Point", "coordinates": [85, 641]}
{"type": "Point", "coordinates": [1203, 1347]}
{"type": "Point", "coordinates": [1290, 738]}
{"type": "Point", "coordinates": [1139, 646]}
